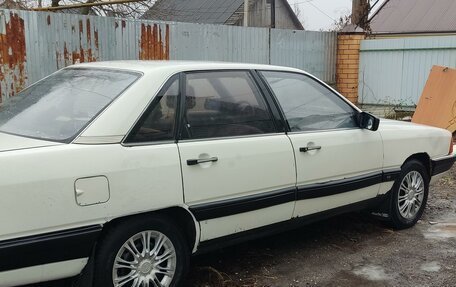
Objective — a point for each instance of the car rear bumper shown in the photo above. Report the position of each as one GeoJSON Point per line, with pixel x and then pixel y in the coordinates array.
{"type": "Point", "coordinates": [48, 248]}
{"type": "Point", "coordinates": [442, 164]}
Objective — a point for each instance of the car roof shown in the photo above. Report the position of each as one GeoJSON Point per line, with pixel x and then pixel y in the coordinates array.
{"type": "Point", "coordinates": [179, 66]}
{"type": "Point", "coordinates": [116, 121]}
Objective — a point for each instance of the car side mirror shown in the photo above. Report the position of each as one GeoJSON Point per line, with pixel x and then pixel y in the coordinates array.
{"type": "Point", "coordinates": [368, 121]}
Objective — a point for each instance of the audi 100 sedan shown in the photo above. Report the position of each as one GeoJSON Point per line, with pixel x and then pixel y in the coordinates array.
{"type": "Point", "coordinates": [120, 171]}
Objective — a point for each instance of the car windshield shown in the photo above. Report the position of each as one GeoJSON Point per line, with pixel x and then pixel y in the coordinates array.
{"type": "Point", "coordinates": [60, 106]}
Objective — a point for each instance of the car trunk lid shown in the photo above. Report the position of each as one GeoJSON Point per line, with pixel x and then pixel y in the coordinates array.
{"type": "Point", "coordinates": [10, 142]}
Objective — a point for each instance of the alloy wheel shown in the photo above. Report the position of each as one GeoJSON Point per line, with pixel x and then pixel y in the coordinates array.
{"type": "Point", "coordinates": [146, 259]}
{"type": "Point", "coordinates": [411, 194]}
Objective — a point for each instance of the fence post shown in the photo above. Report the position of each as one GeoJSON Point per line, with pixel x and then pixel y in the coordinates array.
{"type": "Point", "coordinates": [347, 67]}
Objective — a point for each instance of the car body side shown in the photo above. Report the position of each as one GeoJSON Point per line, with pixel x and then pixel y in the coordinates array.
{"type": "Point", "coordinates": [37, 182]}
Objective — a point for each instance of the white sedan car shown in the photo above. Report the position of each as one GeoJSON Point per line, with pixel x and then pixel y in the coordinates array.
{"type": "Point", "coordinates": [119, 171]}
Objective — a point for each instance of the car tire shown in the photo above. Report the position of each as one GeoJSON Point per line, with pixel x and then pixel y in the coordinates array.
{"type": "Point", "coordinates": [123, 257]}
{"type": "Point", "coordinates": [409, 195]}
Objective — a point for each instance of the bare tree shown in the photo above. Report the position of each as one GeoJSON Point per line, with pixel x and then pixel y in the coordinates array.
{"type": "Point", "coordinates": [126, 10]}
{"type": "Point", "coordinates": [359, 17]}
{"type": "Point", "coordinates": [13, 4]}
{"type": "Point", "coordinates": [341, 23]}
{"type": "Point", "coordinates": [297, 10]}
{"type": "Point", "coordinates": [86, 10]}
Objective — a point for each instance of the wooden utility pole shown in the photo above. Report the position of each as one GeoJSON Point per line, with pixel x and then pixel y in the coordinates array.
{"type": "Point", "coordinates": [246, 13]}
{"type": "Point", "coordinates": [360, 13]}
{"type": "Point", "coordinates": [273, 12]}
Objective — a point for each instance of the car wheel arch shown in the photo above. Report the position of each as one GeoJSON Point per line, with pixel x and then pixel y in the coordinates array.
{"type": "Point", "coordinates": [181, 216]}
{"type": "Point", "coordinates": [423, 158]}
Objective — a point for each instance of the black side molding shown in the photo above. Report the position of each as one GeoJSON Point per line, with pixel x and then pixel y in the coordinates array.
{"type": "Point", "coordinates": [442, 165]}
{"type": "Point", "coordinates": [48, 248]}
{"type": "Point", "coordinates": [217, 243]}
{"type": "Point", "coordinates": [391, 174]}
{"type": "Point", "coordinates": [238, 205]}
{"type": "Point", "coordinates": [338, 186]}
{"type": "Point", "coordinates": [243, 204]}
{"type": "Point", "coordinates": [346, 184]}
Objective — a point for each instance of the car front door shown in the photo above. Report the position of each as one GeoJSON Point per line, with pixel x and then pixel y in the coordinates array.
{"type": "Point", "coordinates": [337, 162]}
{"type": "Point", "coordinates": [238, 169]}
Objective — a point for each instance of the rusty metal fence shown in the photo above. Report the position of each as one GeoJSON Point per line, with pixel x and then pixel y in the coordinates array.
{"type": "Point", "coordinates": [35, 44]}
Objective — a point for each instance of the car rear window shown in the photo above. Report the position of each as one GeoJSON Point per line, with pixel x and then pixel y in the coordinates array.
{"type": "Point", "coordinates": [60, 106]}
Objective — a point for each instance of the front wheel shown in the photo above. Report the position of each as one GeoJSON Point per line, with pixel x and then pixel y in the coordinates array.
{"type": "Point", "coordinates": [409, 195]}
{"type": "Point", "coordinates": [141, 253]}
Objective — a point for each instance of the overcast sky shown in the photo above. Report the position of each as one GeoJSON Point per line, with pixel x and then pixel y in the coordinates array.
{"type": "Point", "coordinates": [321, 14]}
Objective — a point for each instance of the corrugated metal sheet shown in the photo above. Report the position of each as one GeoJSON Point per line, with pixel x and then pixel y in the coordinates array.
{"type": "Point", "coordinates": [35, 44]}
{"type": "Point", "coordinates": [314, 52]}
{"type": "Point", "coordinates": [394, 71]}
{"type": "Point", "coordinates": [401, 16]}
{"type": "Point", "coordinates": [219, 43]}
{"type": "Point", "coordinates": [13, 56]}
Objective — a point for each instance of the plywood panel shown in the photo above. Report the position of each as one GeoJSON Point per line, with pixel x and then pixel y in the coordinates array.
{"type": "Point", "coordinates": [437, 105]}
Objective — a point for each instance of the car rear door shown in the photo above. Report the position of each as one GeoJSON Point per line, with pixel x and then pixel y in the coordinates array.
{"type": "Point", "coordinates": [337, 162]}
{"type": "Point", "coordinates": [237, 166]}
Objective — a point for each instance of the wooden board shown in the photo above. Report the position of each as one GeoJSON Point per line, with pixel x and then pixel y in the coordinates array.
{"type": "Point", "coordinates": [437, 105]}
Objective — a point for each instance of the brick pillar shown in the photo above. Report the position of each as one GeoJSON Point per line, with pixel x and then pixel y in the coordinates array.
{"type": "Point", "coordinates": [348, 65]}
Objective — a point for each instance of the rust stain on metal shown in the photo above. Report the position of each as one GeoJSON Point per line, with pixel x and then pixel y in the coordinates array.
{"type": "Point", "coordinates": [95, 35]}
{"type": "Point", "coordinates": [81, 26]}
{"type": "Point", "coordinates": [152, 46]}
{"type": "Point", "coordinates": [76, 57]}
{"type": "Point", "coordinates": [13, 56]}
{"type": "Point", "coordinates": [167, 41]}
{"type": "Point", "coordinates": [89, 38]}
{"type": "Point", "coordinates": [66, 55]}
{"type": "Point", "coordinates": [84, 49]}
{"type": "Point", "coordinates": [124, 24]}
{"type": "Point", "coordinates": [90, 57]}
{"type": "Point", "coordinates": [81, 48]}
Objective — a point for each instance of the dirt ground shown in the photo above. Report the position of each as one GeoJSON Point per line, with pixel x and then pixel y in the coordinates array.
{"type": "Point", "coordinates": [349, 250]}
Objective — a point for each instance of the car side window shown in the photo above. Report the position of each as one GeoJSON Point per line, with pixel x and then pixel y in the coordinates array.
{"type": "Point", "coordinates": [224, 104]}
{"type": "Point", "coordinates": [158, 121]}
{"type": "Point", "coordinates": [308, 105]}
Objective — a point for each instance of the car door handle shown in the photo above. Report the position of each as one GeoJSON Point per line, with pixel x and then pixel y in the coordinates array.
{"type": "Point", "coordinates": [308, 148]}
{"type": "Point", "coordinates": [198, 161]}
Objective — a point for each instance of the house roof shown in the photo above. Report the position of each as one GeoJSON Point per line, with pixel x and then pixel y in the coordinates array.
{"type": "Point", "coordinates": [193, 11]}
{"type": "Point", "coordinates": [206, 11]}
{"type": "Point", "coordinates": [415, 16]}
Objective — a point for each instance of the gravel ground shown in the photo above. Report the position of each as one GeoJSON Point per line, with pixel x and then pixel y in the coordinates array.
{"type": "Point", "coordinates": [348, 250]}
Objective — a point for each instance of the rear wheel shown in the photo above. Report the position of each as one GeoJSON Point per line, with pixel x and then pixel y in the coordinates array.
{"type": "Point", "coordinates": [141, 253]}
{"type": "Point", "coordinates": [409, 195]}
